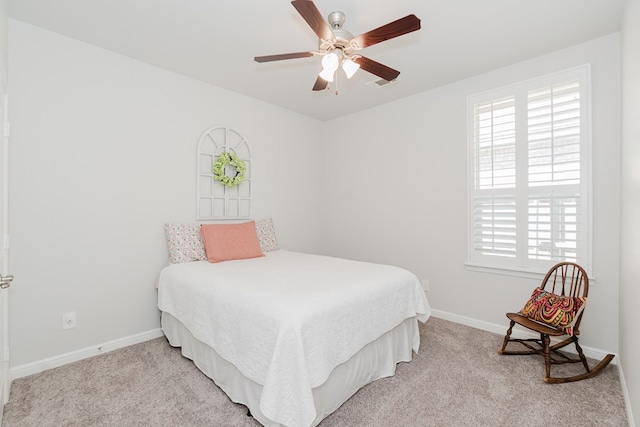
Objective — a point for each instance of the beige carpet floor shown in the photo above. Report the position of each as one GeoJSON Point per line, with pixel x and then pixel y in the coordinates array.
{"type": "Point", "coordinates": [458, 379]}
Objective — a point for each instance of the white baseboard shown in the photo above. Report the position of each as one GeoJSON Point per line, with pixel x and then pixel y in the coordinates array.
{"type": "Point", "coordinates": [627, 399]}
{"type": "Point", "coordinates": [74, 356]}
{"type": "Point", "coordinates": [3, 400]}
{"type": "Point", "coordinates": [591, 352]}
{"type": "Point", "coordinates": [63, 359]}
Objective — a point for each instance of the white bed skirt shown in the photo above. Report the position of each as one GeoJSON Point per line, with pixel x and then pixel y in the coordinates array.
{"type": "Point", "coordinates": [376, 360]}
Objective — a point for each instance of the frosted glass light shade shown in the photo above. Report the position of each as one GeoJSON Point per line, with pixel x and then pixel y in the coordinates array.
{"type": "Point", "coordinates": [327, 74]}
{"type": "Point", "coordinates": [330, 61]}
{"type": "Point", "coordinates": [329, 66]}
{"type": "Point", "coordinates": [350, 67]}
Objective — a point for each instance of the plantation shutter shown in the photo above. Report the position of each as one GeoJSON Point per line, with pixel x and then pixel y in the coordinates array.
{"type": "Point", "coordinates": [494, 151]}
{"type": "Point", "coordinates": [495, 225]}
{"type": "Point", "coordinates": [554, 145]}
{"type": "Point", "coordinates": [528, 191]}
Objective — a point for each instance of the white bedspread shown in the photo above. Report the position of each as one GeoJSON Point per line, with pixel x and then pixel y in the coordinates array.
{"type": "Point", "coordinates": [288, 319]}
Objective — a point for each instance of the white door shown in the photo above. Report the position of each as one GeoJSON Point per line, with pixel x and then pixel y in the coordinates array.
{"type": "Point", "coordinates": [5, 279]}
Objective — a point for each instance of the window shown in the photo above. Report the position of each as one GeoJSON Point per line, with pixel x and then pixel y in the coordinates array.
{"type": "Point", "coordinates": [529, 174]}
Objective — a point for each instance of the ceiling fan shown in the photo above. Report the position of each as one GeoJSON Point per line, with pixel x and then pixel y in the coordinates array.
{"type": "Point", "coordinates": [339, 47]}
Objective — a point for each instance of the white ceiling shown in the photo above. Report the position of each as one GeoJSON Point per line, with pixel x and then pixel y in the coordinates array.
{"type": "Point", "coordinates": [215, 40]}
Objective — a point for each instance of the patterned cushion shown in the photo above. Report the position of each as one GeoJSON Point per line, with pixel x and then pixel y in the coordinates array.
{"type": "Point", "coordinates": [554, 310]}
{"type": "Point", "coordinates": [185, 243]}
{"type": "Point", "coordinates": [225, 242]}
{"type": "Point", "coordinates": [267, 235]}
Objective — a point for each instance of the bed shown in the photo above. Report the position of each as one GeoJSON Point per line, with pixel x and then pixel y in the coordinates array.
{"type": "Point", "coordinates": [291, 335]}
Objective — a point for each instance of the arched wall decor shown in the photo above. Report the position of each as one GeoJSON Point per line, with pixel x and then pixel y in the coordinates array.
{"type": "Point", "coordinates": [213, 199]}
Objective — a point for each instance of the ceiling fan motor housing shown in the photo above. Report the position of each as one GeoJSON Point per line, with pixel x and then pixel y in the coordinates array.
{"type": "Point", "coordinates": [336, 19]}
{"type": "Point", "coordinates": [341, 38]}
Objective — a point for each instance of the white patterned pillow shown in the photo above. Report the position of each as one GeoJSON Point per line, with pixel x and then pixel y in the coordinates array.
{"type": "Point", "coordinates": [267, 235]}
{"type": "Point", "coordinates": [185, 243]}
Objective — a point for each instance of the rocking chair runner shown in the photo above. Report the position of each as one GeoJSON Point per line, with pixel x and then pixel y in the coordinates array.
{"type": "Point", "coordinates": [555, 309]}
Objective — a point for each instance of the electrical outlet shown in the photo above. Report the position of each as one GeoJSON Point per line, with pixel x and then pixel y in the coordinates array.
{"type": "Point", "coordinates": [425, 285]}
{"type": "Point", "coordinates": [69, 320]}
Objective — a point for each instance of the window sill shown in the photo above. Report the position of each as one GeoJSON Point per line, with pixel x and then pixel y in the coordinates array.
{"type": "Point", "coordinates": [510, 271]}
{"type": "Point", "coordinates": [505, 271]}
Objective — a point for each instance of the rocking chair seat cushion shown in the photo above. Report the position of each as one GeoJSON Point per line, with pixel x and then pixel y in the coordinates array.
{"type": "Point", "coordinates": [558, 311]}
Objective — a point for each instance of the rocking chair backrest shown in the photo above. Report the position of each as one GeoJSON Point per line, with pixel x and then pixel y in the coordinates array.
{"type": "Point", "coordinates": [567, 279]}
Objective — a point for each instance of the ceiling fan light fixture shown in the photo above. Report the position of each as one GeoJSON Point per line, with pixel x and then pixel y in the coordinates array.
{"type": "Point", "coordinates": [329, 66]}
{"type": "Point", "coordinates": [327, 74]}
{"type": "Point", "coordinates": [349, 66]}
{"type": "Point", "coordinates": [330, 61]}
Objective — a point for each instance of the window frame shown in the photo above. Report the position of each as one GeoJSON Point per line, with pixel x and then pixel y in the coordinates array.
{"type": "Point", "coordinates": [521, 265]}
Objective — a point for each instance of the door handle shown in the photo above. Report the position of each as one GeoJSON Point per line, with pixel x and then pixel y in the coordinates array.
{"type": "Point", "coordinates": [5, 281]}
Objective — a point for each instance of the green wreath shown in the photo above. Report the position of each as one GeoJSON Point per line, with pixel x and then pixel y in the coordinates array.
{"type": "Point", "coordinates": [220, 166]}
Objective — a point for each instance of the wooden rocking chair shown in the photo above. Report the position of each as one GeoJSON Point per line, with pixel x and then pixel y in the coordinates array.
{"type": "Point", "coordinates": [555, 309]}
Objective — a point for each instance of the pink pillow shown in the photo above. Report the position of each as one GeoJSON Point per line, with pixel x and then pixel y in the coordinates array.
{"type": "Point", "coordinates": [224, 242]}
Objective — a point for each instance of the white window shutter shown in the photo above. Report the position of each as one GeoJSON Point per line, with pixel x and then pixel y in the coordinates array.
{"type": "Point", "coordinates": [495, 144]}
{"type": "Point", "coordinates": [554, 227]}
{"type": "Point", "coordinates": [495, 225]}
{"type": "Point", "coordinates": [529, 174]}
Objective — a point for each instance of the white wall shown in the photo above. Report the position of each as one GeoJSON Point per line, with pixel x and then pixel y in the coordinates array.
{"type": "Point", "coordinates": [3, 38]}
{"type": "Point", "coordinates": [395, 191]}
{"type": "Point", "coordinates": [630, 241]}
{"type": "Point", "coordinates": [103, 153]}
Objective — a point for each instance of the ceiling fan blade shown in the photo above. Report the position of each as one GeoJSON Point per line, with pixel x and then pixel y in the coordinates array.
{"type": "Point", "coordinates": [377, 68]}
{"type": "Point", "coordinates": [393, 29]}
{"type": "Point", "coordinates": [308, 10]}
{"type": "Point", "coordinates": [269, 58]}
{"type": "Point", "coordinates": [321, 84]}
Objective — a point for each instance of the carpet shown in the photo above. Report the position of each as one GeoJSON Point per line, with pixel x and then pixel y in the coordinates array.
{"type": "Point", "coordinates": [457, 379]}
